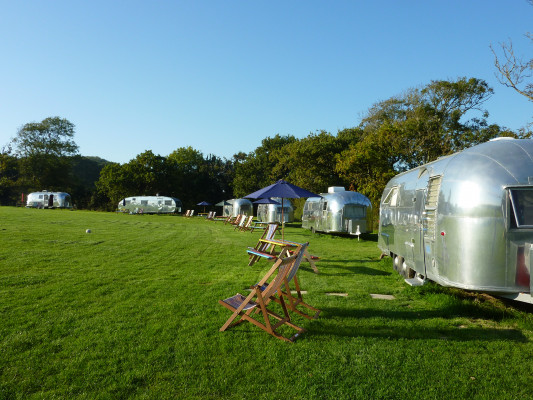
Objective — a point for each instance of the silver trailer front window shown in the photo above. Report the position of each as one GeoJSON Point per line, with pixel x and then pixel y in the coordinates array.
{"type": "Point", "coordinates": [353, 211]}
{"type": "Point", "coordinates": [522, 207]}
{"type": "Point", "coordinates": [392, 197]}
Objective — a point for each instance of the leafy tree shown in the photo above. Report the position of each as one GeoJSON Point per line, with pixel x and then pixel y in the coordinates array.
{"type": "Point", "coordinates": [414, 128]}
{"type": "Point", "coordinates": [9, 177]}
{"type": "Point", "coordinates": [257, 169]}
{"type": "Point", "coordinates": [310, 162]}
{"type": "Point", "coordinates": [44, 149]}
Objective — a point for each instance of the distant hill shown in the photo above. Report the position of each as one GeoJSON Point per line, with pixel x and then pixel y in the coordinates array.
{"type": "Point", "coordinates": [86, 169]}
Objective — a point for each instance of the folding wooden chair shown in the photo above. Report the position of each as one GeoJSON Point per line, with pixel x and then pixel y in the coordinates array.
{"type": "Point", "coordinates": [237, 220]}
{"type": "Point", "coordinates": [294, 297]}
{"type": "Point", "coordinates": [244, 308]}
{"type": "Point", "coordinates": [245, 225]}
{"type": "Point", "coordinates": [222, 218]}
{"type": "Point", "coordinates": [261, 249]}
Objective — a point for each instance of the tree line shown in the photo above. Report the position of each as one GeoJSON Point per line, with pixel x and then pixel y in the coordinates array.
{"type": "Point", "coordinates": [394, 135]}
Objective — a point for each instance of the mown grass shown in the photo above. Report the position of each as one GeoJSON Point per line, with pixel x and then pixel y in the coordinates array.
{"type": "Point", "coordinates": [130, 311]}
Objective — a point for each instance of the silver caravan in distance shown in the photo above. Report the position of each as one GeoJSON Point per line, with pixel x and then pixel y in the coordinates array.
{"type": "Point", "coordinates": [237, 206]}
{"type": "Point", "coordinates": [150, 205]}
{"type": "Point", "coordinates": [465, 220]}
{"type": "Point", "coordinates": [46, 199]}
{"type": "Point", "coordinates": [273, 212]}
{"type": "Point", "coordinates": [338, 211]}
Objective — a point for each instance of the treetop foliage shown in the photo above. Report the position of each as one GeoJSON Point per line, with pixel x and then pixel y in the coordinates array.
{"type": "Point", "coordinates": [396, 134]}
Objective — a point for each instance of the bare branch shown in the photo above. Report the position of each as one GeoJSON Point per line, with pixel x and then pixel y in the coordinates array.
{"type": "Point", "coordinates": [512, 70]}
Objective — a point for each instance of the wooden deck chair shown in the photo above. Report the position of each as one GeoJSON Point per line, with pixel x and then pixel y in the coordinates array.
{"type": "Point", "coordinates": [255, 253]}
{"type": "Point", "coordinates": [237, 220]}
{"type": "Point", "coordinates": [210, 215]}
{"type": "Point", "coordinates": [231, 219]}
{"type": "Point", "coordinates": [244, 308]}
{"type": "Point", "coordinates": [187, 213]}
{"type": "Point", "coordinates": [294, 297]}
{"type": "Point", "coordinates": [241, 223]}
{"type": "Point", "coordinates": [258, 225]}
{"type": "Point", "coordinates": [222, 219]}
{"type": "Point", "coordinates": [246, 222]}
{"type": "Point", "coordinates": [192, 213]}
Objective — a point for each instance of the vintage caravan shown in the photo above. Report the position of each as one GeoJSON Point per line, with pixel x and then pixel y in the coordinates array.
{"type": "Point", "coordinates": [338, 211]}
{"type": "Point", "coordinates": [150, 205]}
{"type": "Point", "coordinates": [237, 206]}
{"type": "Point", "coordinates": [465, 220]}
{"type": "Point", "coordinates": [46, 199]}
{"type": "Point", "coordinates": [273, 212]}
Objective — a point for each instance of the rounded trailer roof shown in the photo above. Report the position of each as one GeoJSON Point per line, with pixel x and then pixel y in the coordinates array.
{"type": "Point", "coordinates": [342, 198]}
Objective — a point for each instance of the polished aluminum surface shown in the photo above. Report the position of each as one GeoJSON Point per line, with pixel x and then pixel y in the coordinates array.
{"type": "Point", "coordinates": [451, 220]}
{"type": "Point", "coordinates": [272, 212]}
{"type": "Point", "coordinates": [338, 211]}
{"type": "Point", "coordinates": [238, 206]}
{"type": "Point", "coordinates": [49, 200]}
{"type": "Point", "coordinates": [150, 205]}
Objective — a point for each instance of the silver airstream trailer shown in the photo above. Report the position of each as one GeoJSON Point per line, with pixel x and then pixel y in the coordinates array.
{"type": "Point", "coordinates": [338, 211]}
{"type": "Point", "coordinates": [150, 205]}
{"type": "Point", "coordinates": [465, 220]}
{"type": "Point", "coordinates": [46, 199]}
{"type": "Point", "coordinates": [273, 212]}
{"type": "Point", "coordinates": [238, 206]}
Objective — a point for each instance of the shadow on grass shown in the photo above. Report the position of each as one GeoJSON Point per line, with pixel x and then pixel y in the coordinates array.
{"type": "Point", "coordinates": [352, 271]}
{"type": "Point", "coordinates": [382, 329]}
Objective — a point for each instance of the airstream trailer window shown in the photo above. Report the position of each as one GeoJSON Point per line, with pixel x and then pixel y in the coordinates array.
{"type": "Point", "coordinates": [392, 197]}
{"type": "Point", "coordinates": [353, 211]}
{"type": "Point", "coordinates": [127, 202]}
{"type": "Point", "coordinates": [144, 202]}
{"type": "Point", "coordinates": [40, 196]}
{"type": "Point", "coordinates": [168, 202]}
{"type": "Point", "coordinates": [522, 205]}
{"type": "Point", "coordinates": [325, 206]}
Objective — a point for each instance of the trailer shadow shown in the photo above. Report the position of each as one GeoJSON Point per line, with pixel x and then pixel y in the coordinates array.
{"type": "Point", "coordinates": [389, 330]}
{"type": "Point", "coordinates": [352, 270]}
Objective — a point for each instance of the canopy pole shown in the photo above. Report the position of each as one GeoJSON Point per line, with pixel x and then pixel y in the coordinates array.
{"type": "Point", "coordinates": [282, 222]}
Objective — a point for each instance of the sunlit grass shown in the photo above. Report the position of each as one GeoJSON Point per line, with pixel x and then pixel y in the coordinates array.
{"type": "Point", "coordinates": [130, 311]}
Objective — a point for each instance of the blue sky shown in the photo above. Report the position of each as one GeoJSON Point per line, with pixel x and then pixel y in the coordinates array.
{"type": "Point", "coordinates": [222, 75]}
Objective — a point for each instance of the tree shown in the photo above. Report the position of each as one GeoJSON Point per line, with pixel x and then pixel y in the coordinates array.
{"type": "Point", "coordinates": [44, 149]}
{"type": "Point", "coordinates": [9, 177]}
{"type": "Point", "coordinates": [257, 169]}
{"type": "Point", "coordinates": [52, 136]}
{"type": "Point", "coordinates": [415, 128]}
{"type": "Point", "coordinates": [513, 71]}
{"type": "Point", "coordinates": [310, 162]}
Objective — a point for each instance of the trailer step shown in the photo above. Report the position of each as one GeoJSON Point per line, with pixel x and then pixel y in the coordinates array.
{"type": "Point", "coordinates": [416, 281]}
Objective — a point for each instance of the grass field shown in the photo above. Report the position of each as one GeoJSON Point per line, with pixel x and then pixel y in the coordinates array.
{"type": "Point", "coordinates": [130, 311]}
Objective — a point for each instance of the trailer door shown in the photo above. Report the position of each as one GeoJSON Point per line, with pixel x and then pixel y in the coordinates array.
{"type": "Point", "coordinates": [429, 223]}
{"type": "Point", "coordinates": [417, 241]}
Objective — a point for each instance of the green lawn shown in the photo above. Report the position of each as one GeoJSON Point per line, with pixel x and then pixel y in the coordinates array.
{"type": "Point", "coordinates": [130, 311]}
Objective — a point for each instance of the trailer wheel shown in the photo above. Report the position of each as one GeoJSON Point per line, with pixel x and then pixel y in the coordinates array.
{"type": "Point", "coordinates": [398, 261]}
